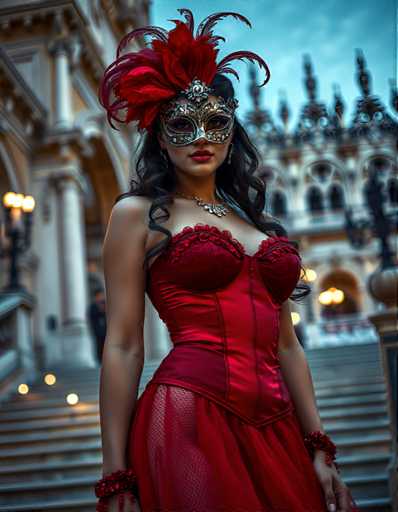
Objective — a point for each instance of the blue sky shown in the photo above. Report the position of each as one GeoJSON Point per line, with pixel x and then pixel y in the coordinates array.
{"type": "Point", "coordinates": [283, 30]}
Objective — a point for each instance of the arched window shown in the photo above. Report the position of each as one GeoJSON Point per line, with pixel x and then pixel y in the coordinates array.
{"type": "Point", "coordinates": [322, 171]}
{"type": "Point", "coordinates": [315, 200]}
{"type": "Point", "coordinates": [336, 197]}
{"type": "Point", "coordinates": [278, 204]}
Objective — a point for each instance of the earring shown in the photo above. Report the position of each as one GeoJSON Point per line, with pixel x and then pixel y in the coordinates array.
{"type": "Point", "coordinates": [231, 148]}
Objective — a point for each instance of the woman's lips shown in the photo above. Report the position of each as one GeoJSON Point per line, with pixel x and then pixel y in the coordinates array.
{"type": "Point", "coordinates": [201, 158]}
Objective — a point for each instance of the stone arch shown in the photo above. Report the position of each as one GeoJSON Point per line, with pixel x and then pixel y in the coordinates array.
{"type": "Point", "coordinates": [365, 161]}
{"type": "Point", "coordinates": [385, 166]}
{"type": "Point", "coordinates": [323, 171]}
{"type": "Point", "coordinates": [344, 280]}
{"type": "Point", "coordinates": [104, 180]}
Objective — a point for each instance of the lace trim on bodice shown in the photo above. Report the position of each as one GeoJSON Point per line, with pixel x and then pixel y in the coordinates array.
{"type": "Point", "coordinates": [270, 248]}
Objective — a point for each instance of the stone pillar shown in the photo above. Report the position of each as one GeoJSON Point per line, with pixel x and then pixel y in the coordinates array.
{"type": "Point", "coordinates": [63, 115]}
{"type": "Point", "coordinates": [383, 286]}
{"type": "Point", "coordinates": [298, 206]}
{"type": "Point", "coordinates": [76, 340]}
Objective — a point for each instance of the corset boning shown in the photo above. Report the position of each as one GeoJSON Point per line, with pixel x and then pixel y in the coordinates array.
{"type": "Point", "coordinates": [222, 308]}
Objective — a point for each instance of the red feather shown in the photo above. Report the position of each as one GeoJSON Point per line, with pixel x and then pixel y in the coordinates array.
{"type": "Point", "coordinates": [137, 84]}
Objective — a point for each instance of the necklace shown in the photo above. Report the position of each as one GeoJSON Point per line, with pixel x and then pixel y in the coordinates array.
{"type": "Point", "coordinates": [216, 209]}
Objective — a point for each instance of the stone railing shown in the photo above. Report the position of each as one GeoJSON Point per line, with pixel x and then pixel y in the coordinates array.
{"type": "Point", "coordinates": [17, 359]}
{"type": "Point", "coordinates": [342, 330]}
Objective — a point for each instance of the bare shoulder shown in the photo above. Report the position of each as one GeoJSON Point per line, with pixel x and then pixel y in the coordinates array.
{"type": "Point", "coordinates": [127, 229]}
{"type": "Point", "coordinates": [130, 214]}
{"type": "Point", "coordinates": [132, 207]}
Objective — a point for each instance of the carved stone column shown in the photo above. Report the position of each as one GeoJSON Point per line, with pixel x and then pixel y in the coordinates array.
{"type": "Point", "coordinates": [63, 114]}
{"type": "Point", "coordinates": [77, 344]}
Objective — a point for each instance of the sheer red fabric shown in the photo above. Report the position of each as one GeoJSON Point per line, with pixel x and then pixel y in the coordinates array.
{"type": "Point", "coordinates": [215, 428]}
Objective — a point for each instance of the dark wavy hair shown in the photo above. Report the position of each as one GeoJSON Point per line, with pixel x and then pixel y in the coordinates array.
{"type": "Point", "coordinates": [235, 182]}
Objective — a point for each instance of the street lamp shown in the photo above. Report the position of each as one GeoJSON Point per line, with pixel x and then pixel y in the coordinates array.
{"type": "Point", "coordinates": [18, 215]}
{"type": "Point", "coordinates": [379, 224]}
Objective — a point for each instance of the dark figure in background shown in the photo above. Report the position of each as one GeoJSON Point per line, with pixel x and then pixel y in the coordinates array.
{"type": "Point", "coordinates": [97, 319]}
{"type": "Point", "coordinates": [298, 329]}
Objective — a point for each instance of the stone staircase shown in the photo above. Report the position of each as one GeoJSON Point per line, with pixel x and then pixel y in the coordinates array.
{"type": "Point", "coordinates": [50, 452]}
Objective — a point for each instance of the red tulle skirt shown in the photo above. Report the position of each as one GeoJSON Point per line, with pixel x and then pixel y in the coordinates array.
{"type": "Point", "coordinates": [192, 455]}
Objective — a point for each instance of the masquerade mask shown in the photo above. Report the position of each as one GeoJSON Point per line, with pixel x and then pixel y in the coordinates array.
{"type": "Point", "coordinates": [184, 123]}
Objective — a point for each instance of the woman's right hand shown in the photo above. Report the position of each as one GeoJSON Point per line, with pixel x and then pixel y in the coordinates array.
{"type": "Point", "coordinates": [113, 504]}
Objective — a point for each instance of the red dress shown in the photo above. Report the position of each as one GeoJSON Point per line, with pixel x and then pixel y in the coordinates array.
{"type": "Point", "coordinates": [215, 429]}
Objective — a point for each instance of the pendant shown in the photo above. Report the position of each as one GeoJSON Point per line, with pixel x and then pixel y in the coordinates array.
{"type": "Point", "coordinates": [216, 209]}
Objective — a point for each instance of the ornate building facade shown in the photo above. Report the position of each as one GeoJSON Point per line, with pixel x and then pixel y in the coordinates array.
{"type": "Point", "coordinates": [56, 145]}
{"type": "Point", "coordinates": [318, 175]}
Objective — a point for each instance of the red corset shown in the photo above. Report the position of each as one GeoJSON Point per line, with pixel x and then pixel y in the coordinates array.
{"type": "Point", "coordinates": [221, 307]}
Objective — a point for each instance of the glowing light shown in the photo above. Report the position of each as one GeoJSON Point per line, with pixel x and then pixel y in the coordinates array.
{"type": "Point", "coordinates": [23, 389]}
{"type": "Point", "coordinates": [338, 295]}
{"type": "Point", "coordinates": [295, 317]}
{"type": "Point", "coordinates": [310, 275]}
{"type": "Point", "coordinates": [72, 398]}
{"type": "Point", "coordinates": [28, 204]}
{"type": "Point", "coordinates": [331, 296]}
{"type": "Point", "coordinates": [50, 379]}
{"type": "Point", "coordinates": [18, 200]}
{"type": "Point", "coordinates": [9, 199]}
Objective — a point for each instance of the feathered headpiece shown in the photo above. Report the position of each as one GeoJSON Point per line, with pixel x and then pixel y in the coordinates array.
{"type": "Point", "coordinates": [136, 85]}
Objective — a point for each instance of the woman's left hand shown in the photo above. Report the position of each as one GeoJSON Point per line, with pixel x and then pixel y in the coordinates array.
{"type": "Point", "coordinates": [337, 495]}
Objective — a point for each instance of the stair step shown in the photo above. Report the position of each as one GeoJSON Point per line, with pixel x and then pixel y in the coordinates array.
{"type": "Point", "coordinates": [28, 491]}
{"type": "Point", "coordinates": [60, 469]}
{"type": "Point", "coordinates": [374, 443]}
{"type": "Point", "coordinates": [70, 411]}
{"type": "Point", "coordinates": [368, 486]}
{"type": "Point", "coordinates": [360, 464]}
{"type": "Point", "coordinates": [60, 505]}
{"type": "Point", "coordinates": [340, 413]}
{"type": "Point", "coordinates": [359, 427]}
{"type": "Point", "coordinates": [375, 398]}
{"type": "Point", "coordinates": [35, 438]}
{"type": "Point", "coordinates": [49, 425]}
{"type": "Point", "coordinates": [66, 451]}
{"type": "Point", "coordinates": [352, 390]}
{"type": "Point", "coordinates": [342, 382]}
{"type": "Point", "coordinates": [371, 505]}
{"type": "Point", "coordinates": [343, 350]}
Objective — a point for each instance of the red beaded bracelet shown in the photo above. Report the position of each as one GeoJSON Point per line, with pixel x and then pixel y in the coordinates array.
{"type": "Point", "coordinates": [120, 481]}
{"type": "Point", "coordinates": [317, 440]}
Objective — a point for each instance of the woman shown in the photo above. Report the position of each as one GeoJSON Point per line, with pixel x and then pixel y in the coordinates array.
{"type": "Point", "coordinates": [229, 420]}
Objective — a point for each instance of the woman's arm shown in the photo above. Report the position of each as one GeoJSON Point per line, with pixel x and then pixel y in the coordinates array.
{"type": "Point", "coordinates": [296, 373]}
{"type": "Point", "coordinates": [123, 356]}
